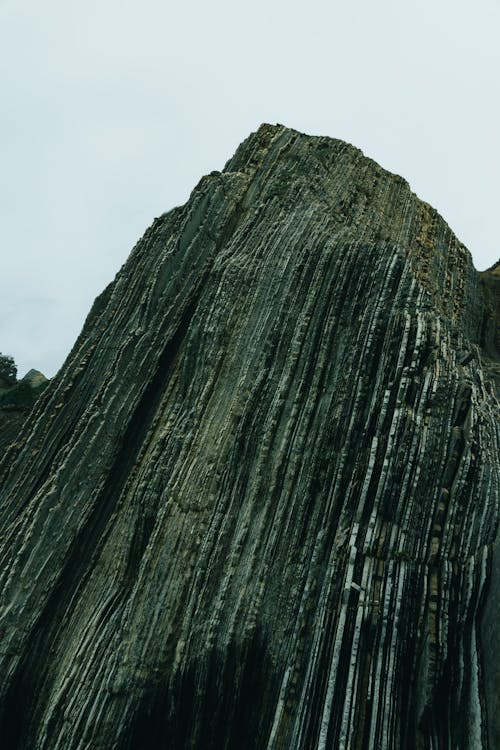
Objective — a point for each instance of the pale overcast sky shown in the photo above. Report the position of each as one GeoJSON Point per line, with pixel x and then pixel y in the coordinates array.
{"type": "Point", "coordinates": [112, 111]}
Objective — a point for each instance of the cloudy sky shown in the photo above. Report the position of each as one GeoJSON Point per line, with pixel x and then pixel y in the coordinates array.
{"type": "Point", "coordinates": [111, 112]}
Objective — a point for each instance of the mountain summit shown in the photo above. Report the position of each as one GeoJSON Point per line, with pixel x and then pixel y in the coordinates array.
{"type": "Point", "coordinates": [258, 505]}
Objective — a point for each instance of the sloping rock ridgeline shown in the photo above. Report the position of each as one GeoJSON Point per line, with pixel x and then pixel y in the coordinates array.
{"type": "Point", "coordinates": [257, 507]}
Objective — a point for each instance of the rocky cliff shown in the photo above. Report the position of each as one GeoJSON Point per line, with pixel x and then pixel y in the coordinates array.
{"type": "Point", "coordinates": [257, 507]}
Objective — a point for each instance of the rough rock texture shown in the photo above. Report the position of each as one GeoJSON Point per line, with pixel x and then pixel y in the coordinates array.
{"type": "Point", "coordinates": [16, 402]}
{"type": "Point", "coordinates": [257, 506]}
{"type": "Point", "coordinates": [491, 618]}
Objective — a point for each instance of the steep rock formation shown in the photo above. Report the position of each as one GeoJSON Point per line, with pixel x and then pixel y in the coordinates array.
{"type": "Point", "coordinates": [257, 506]}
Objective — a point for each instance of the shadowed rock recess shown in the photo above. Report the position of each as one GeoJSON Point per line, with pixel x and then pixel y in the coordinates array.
{"type": "Point", "coordinates": [257, 507]}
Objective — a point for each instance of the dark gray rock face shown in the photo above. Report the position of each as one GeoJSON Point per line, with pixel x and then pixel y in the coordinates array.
{"type": "Point", "coordinates": [257, 506]}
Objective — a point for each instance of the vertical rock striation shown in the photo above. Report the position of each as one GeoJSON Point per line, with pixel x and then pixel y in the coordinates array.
{"type": "Point", "coordinates": [257, 507]}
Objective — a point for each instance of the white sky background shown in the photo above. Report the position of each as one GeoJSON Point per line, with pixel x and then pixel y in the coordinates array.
{"type": "Point", "coordinates": [112, 111]}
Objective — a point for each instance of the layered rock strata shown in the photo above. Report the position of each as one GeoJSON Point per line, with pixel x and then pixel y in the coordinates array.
{"type": "Point", "coordinates": [257, 506]}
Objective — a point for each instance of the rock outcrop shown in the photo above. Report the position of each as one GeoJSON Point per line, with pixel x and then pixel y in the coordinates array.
{"type": "Point", "coordinates": [16, 402]}
{"type": "Point", "coordinates": [258, 505]}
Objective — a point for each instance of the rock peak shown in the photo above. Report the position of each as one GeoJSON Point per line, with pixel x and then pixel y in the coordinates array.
{"type": "Point", "coordinates": [258, 505]}
{"type": "Point", "coordinates": [34, 378]}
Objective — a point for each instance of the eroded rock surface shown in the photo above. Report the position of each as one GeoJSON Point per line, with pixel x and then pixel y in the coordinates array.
{"type": "Point", "coordinates": [256, 507]}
